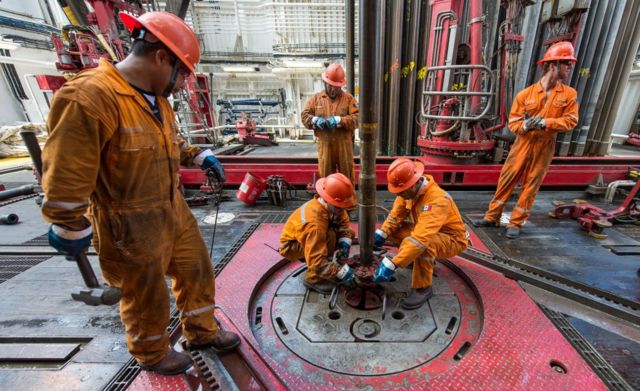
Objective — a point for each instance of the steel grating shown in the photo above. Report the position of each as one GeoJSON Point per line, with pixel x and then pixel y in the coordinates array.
{"type": "Point", "coordinates": [610, 376]}
{"type": "Point", "coordinates": [42, 240]}
{"type": "Point", "coordinates": [508, 354]}
{"type": "Point", "coordinates": [11, 266]}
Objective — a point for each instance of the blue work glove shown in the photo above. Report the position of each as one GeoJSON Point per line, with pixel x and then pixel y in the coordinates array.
{"type": "Point", "coordinates": [378, 238]}
{"type": "Point", "coordinates": [210, 162]}
{"type": "Point", "coordinates": [344, 247]}
{"type": "Point", "coordinates": [69, 242]}
{"type": "Point", "coordinates": [385, 271]}
{"type": "Point", "coordinates": [333, 122]}
{"type": "Point", "coordinates": [319, 123]}
{"type": "Point", "coordinates": [346, 275]}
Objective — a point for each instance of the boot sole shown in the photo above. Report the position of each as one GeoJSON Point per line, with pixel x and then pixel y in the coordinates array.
{"type": "Point", "coordinates": [167, 373]}
{"type": "Point", "coordinates": [224, 350]}
{"type": "Point", "coordinates": [415, 306]}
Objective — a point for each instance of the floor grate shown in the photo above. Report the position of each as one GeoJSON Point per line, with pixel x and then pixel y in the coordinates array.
{"type": "Point", "coordinates": [599, 365]}
{"type": "Point", "coordinates": [42, 240]}
{"type": "Point", "coordinates": [11, 266]}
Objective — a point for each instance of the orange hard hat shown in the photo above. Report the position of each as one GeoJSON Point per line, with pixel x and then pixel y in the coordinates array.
{"type": "Point", "coordinates": [337, 190]}
{"type": "Point", "coordinates": [334, 75]}
{"type": "Point", "coordinates": [403, 173]}
{"type": "Point", "coordinates": [172, 31]}
{"type": "Point", "coordinates": [559, 51]}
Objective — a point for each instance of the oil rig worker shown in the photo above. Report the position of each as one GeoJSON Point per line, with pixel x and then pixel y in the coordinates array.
{"type": "Point", "coordinates": [113, 147]}
{"type": "Point", "coordinates": [317, 229]}
{"type": "Point", "coordinates": [426, 224]}
{"type": "Point", "coordinates": [333, 116]}
{"type": "Point", "coordinates": [538, 114]}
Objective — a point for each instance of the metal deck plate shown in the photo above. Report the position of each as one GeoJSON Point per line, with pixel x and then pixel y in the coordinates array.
{"type": "Point", "coordinates": [517, 349]}
{"type": "Point", "coordinates": [342, 339]}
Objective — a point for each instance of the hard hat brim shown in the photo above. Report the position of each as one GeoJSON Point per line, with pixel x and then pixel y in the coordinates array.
{"type": "Point", "coordinates": [333, 83]}
{"type": "Point", "coordinates": [351, 202]}
{"type": "Point", "coordinates": [399, 189]}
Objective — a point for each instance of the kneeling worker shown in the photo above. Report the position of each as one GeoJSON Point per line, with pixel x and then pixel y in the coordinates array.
{"type": "Point", "coordinates": [425, 221]}
{"type": "Point", "coordinates": [319, 227]}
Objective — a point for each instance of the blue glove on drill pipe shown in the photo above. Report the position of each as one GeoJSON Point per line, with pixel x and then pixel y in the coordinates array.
{"type": "Point", "coordinates": [378, 238]}
{"type": "Point", "coordinates": [385, 271]}
{"type": "Point", "coordinates": [213, 163]}
{"type": "Point", "coordinates": [346, 276]}
{"type": "Point", "coordinates": [69, 242]}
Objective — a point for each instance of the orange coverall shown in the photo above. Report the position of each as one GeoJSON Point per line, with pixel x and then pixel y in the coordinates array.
{"type": "Point", "coordinates": [311, 232]}
{"type": "Point", "coordinates": [335, 147]}
{"type": "Point", "coordinates": [533, 150]}
{"type": "Point", "coordinates": [106, 146]}
{"type": "Point", "coordinates": [427, 227]}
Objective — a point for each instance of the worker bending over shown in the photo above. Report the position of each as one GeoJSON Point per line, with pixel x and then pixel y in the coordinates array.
{"type": "Point", "coordinates": [316, 229]}
{"type": "Point", "coordinates": [425, 222]}
{"type": "Point", "coordinates": [538, 114]}
{"type": "Point", "coordinates": [333, 116]}
{"type": "Point", "coordinates": [114, 147]}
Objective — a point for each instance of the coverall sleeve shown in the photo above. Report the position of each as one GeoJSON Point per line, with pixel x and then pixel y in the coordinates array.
{"type": "Point", "coordinates": [187, 152]}
{"type": "Point", "coordinates": [345, 231]}
{"type": "Point", "coordinates": [350, 121]}
{"type": "Point", "coordinates": [567, 121]}
{"type": "Point", "coordinates": [516, 116]}
{"type": "Point", "coordinates": [429, 223]}
{"type": "Point", "coordinates": [309, 112]}
{"type": "Point", "coordinates": [396, 217]}
{"type": "Point", "coordinates": [71, 161]}
{"type": "Point", "coordinates": [316, 253]}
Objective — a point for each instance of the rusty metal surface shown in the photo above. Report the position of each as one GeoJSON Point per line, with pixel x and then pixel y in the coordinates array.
{"type": "Point", "coordinates": [508, 354]}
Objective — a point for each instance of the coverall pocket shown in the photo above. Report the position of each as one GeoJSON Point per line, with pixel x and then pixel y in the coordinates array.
{"type": "Point", "coordinates": [139, 235]}
{"type": "Point", "coordinates": [136, 141]}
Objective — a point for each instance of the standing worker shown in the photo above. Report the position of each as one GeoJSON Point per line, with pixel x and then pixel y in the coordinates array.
{"type": "Point", "coordinates": [333, 116]}
{"type": "Point", "coordinates": [425, 222]}
{"type": "Point", "coordinates": [539, 112]}
{"type": "Point", "coordinates": [319, 227]}
{"type": "Point", "coordinates": [113, 147]}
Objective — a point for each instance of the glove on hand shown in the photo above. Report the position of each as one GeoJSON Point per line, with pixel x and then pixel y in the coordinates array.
{"type": "Point", "coordinates": [333, 122]}
{"type": "Point", "coordinates": [210, 162]}
{"type": "Point", "coordinates": [385, 271]}
{"type": "Point", "coordinates": [69, 242]}
{"type": "Point", "coordinates": [346, 276]}
{"type": "Point", "coordinates": [319, 123]}
{"type": "Point", "coordinates": [344, 247]}
{"type": "Point", "coordinates": [379, 238]}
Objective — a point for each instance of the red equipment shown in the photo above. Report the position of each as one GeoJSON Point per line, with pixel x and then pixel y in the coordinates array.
{"type": "Point", "coordinates": [594, 219]}
{"type": "Point", "coordinates": [251, 188]}
{"type": "Point", "coordinates": [246, 128]}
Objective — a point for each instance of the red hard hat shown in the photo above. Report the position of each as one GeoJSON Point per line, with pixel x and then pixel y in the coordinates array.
{"type": "Point", "coordinates": [402, 174]}
{"type": "Point", "coordinates": [559, 51]}
{"type": "Point", "coordinates": [172, 31]}
{"type": "Point", "coordinates": [334, 75]}
{"type": "Point", "coordinates": [337, 190]}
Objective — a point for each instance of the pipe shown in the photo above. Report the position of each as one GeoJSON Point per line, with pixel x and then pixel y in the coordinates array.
{"type": "Point", "coordinates": [475, 39]}
{"type": "Point", "coordinates": [394, 74]}
{"type": "Point", "coordinates": [349, 41]}
{"type": "Point", "coordinates": [409, 81]}
{"type": "Point", "coordinates": [422, 43]}
{"type": "Point", "coordinates": [370, 16]}
{"type": "Point", "coordinates": [9, 219]}
{"type": "Point", "coordinates": [16, 192]}
{"type": "Point", "coordinates": [30, 140]}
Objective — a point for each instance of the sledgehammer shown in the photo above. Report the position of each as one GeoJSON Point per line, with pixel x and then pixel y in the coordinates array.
{"type": "Point", "coordinates": [95, 294]}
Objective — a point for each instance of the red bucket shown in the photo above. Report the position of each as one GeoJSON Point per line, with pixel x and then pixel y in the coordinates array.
{"type": "Point", "coordinates": [251, 188]}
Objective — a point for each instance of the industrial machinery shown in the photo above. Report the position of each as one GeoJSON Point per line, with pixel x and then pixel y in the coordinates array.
{"type": "Point", "coordinates": [247, 133]}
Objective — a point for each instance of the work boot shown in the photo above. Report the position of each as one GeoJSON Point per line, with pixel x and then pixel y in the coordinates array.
{"type": "Point", "coordinates": [417, 298]}
{"type": "Point", "coordinates": [224, 342]}
{"type": "Point", "coordinates": [324, 288]}
{"type": "Point", "coordinates": [513, 232]}
{"type": "Point", "coordinates": [173, 363]}
{"type": "Point", "coordinates": [484, 223]}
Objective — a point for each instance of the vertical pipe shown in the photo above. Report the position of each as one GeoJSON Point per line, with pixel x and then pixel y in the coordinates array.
{"type": "Point", "coordinates": [409, 80]}
{"type": "Point", "coordinates": [394, 75]}
{"type": "Point", "coordinates": [379, 72]}
{"type": "Point", "coordinates": [423, 46]}
{"type": "Point", "coordinates": [370, 15]}
{"type": "Point", "coordinates": [475, 40]}
{"type": "Point", "coordinates": [350, 40]}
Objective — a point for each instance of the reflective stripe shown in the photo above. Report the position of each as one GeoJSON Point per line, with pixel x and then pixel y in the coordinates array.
{"type": "Point", "coordinates": [199, 311]}
{"type": "Point", "coordinates": [71, 235]}
{"type": "Point", "coordinates": [572, 116]}
{"type": "Point", "coordinates": [345, 240]}
{"type": "Point", "coordinates": [64, 205]}
{"type": "Point", "coordinates": [447, 195]}
{"type": "Point", "coordinates": [523, 210]}
{"type": "Point", "coordinates": [303, 218]}
{"type": "Point", "coordinates": [135, 338]}
{"type": "Point", "coordinates": [499, 202]}
{"type": "Point", "coordinates": [393, 219]}
{"type": "Point", "coordinates": [515, 119]}
{"type": "Point", "coordinates": [416, 243]}
{"type": "Point", "coordinates": [199, 159]}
